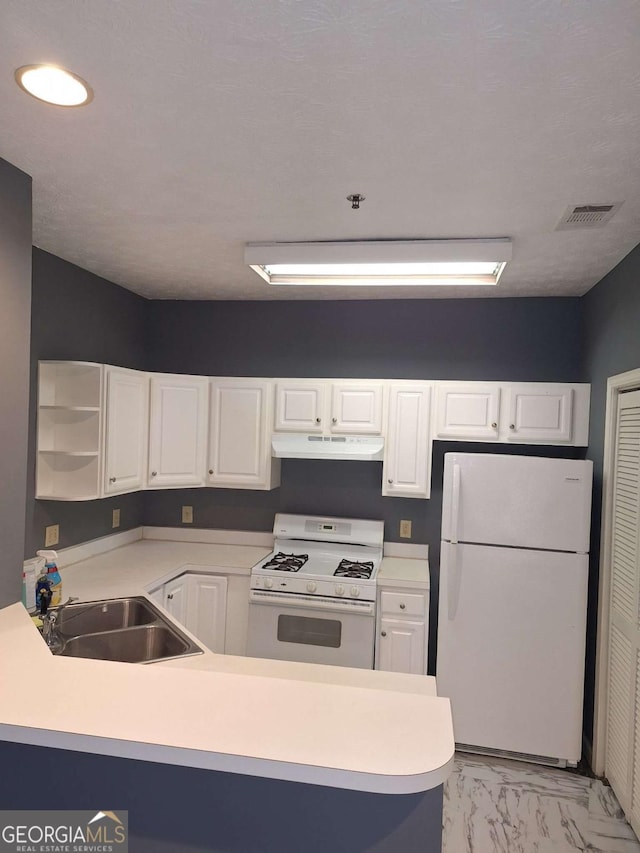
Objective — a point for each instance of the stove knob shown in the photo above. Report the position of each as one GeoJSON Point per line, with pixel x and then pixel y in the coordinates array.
{"type": "Point", "coordinates": [268, 583]}
{"type": "Point", "coordinates": [339, 589]}
{"type": "Point", "coordinates": [355, 592]}
{"type": "Point", "coordinates": [312, 586]}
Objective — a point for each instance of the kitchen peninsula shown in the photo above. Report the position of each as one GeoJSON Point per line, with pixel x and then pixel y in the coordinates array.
{"type": "Point", "coordinates": [220, 752]}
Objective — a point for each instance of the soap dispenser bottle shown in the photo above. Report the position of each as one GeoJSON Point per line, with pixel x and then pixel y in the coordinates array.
{"type": "Point", "coordinates": [53, 576]}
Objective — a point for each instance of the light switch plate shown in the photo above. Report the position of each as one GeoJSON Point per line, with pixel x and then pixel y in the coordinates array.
{"type": "Point", "coordinates": [405, 529]}
{"type": "Point", "coordinates": [51, 535]}
{"type": "Point", "coordinates": [187, 515]}
{"type": "Point", "coordinates": [115, 518]}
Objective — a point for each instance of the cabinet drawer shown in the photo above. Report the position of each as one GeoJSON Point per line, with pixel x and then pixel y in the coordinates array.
{"type": "Point", "coordinates": [412, 604]}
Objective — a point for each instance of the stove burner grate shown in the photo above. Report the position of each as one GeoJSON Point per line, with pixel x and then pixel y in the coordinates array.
{"type": "Point", "coordinates": [286, 562]}
{"type": "Point", "coordinates": [354, 569]}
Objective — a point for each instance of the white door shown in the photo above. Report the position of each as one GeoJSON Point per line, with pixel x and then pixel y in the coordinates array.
{"type": "Point", "coordinates": [127, 426]}
{"type": "Point", "coordinates": [356, 409]}
{"type": "Point", "coordinates": [511, 644]}
{"type": "Point", "coordinates": [176, 598]}
{"type": "Point", "coordinates": [239, 446]}
{"type": "Point", "coordinates": [467, 411]}
{"type": "Point", "coordinates": [407, 459]}
{"type": "Point", "coordinates": [539, 413]}
{"type": "Point", "coordinates": [300, 406]}
{"type": "Point", "coordinates": [401, 646]}
{"type": "Point", "coordinates": [177, 431]}
{"type": "Point", "coordinates": [206, 617]}
{"type": "Point", "coordinates": [622, 763]}
{"type": "Point", "coordinates": [521, 501]}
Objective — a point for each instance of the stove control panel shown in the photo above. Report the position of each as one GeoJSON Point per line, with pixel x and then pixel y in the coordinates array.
{"type": "Point", "coordinates": [289, 582]}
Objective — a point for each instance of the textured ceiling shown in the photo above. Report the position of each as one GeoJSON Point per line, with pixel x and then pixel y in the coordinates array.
{"type": "Point", "coordinates": [217, 122]}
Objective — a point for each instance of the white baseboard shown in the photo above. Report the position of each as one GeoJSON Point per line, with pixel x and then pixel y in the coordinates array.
{"type": "Point", "coordinates": [209, 537]}
{"type": "Point", "coordinates": [408, 551]}
{"type": "Point", "coordinates": [77, 553]}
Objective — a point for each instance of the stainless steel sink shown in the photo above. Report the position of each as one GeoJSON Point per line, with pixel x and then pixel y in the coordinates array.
{"type": "Point", "coordinates": [111, 615]}
{"type": "Point", "coordinates": [130, 645]}
{"type": "Point", "coordinates": [132, 630]}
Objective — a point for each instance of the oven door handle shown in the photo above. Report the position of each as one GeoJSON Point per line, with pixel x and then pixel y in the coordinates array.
{"type": "Point", "coordinates": [320, 603]}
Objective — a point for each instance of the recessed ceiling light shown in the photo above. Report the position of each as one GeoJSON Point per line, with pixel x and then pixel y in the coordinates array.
{"type": "Point", "coordinates": [386, 262]}
{"type": "Point", "coordinates": [54, 85]}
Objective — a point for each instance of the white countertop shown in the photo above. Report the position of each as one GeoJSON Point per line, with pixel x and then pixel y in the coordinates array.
{"type": "Point", "coordinates": [201, 711]}
{"type": "Point", "coordinates": [404, 573]}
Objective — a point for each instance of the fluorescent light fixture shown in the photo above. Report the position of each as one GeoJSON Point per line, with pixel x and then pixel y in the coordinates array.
{"type": "Point", "coordinates": [54, 85]}
{"type": "Point", "coordinates": [385, 262]}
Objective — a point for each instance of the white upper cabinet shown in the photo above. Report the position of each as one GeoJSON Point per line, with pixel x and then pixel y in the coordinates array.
{"type": "Point", "coordinates": [467, 410]}
{"type": "Point", "coordinates": [127, 428]}
{"type": "Point", "coordinates": [348, 408]}
{"type": "Point", "coordinates": [406, 471]}
{"type": "Point", "coordinates": [240, 435]}
{"type": "Point", "coordinates": [177, 431]}
{"type": "Point", "coordinates": [524, 413]}
{"type": "Point", "coordinates": [300, 406]}
{"type": "Point", "coordinates": [356, 409]}
{"type": "Point", "coordinates": [69, 430]}
{"type": "Point", "coordinates": [540, 413]}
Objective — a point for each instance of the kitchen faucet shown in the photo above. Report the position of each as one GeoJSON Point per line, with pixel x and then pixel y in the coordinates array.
{"type": "Point", "coordinates": [49, 619]}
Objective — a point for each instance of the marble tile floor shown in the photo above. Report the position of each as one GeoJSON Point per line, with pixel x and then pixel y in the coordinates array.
{"type": "Point", "coordinates": [493, 805]}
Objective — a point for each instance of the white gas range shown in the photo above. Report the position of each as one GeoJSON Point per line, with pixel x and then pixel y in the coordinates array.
{"type": "Point", "coordinates": [313, 598]}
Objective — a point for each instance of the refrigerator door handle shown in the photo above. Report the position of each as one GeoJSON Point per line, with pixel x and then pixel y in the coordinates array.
{"type": "Point", "coordinates": [455, 504]}
{"type": "Point", "coordinates": [453, 583]}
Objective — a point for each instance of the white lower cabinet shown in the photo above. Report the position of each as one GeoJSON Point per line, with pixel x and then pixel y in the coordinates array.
{"type": "Point", "coordinates": [199, 602]}
{"type": "Point", "coordinates": [403, 627]}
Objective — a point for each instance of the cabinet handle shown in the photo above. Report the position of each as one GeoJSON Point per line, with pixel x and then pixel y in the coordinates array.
{"type": "Point", "coordinates": [317, 420]}
{"type": "Point", "coordinates": [512, 426]}
{"type": "Point", "coordinates": [334, 420]}
{"type": "Point", "coordinates": [154, 473]}
{"type": "Point", "coordinates": [390, 481]}
{"type": "Point", "coordinates": [170, 596]}
{"type": "Point", "coordinates": [494, 425]}
{"type": "Point", "coordinates": [402, 606]}
{"type": "Point", "coordinates": [211, 470]}
{"type": "Point", "coordinates": [112, 479]}
{"type": "Point", "coordinates": [384, 633]}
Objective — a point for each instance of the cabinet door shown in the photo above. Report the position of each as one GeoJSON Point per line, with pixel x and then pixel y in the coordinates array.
{"type": "Point", "coordinates": [467, 411]}
{"type": "Point", "coordinates": [401, 646]}
{"type": "Point", "coordinates": [176, 598]}
{"type": "Point", "coordinates": [239, 443]}
{"type": "Point", "coordinates": [299, 406]}
{"type": "Point", "coordinates": [127, 425]}
{"type": "Point", "coordinates": [407, 460]}
{"type": "Point", "coordinates": [539, 413]}
{"type": "Point", "coordinates": [177, 431]}
{"type": "Point", "coordinates": [356, 409]}
{"type": "Point", "coordinates": [206, 617]}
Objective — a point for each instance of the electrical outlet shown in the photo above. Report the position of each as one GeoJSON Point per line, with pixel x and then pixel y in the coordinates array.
{"type": "Point", "coordinates": [187, 515]}
{"type": "Point", "coordinates": [405, 529]}
{"type": "Point", "coordinates": [115, 518]}
{"type": "Point", "coordinates": [51, 535]}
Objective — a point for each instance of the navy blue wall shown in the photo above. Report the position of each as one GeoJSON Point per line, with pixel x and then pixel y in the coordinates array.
{"type": "Point", "coordinates": [182, 810]}
{"type": "Point", "coordinates": [15, 306]}
{"type": "Point", "coordinates": [612, 345]}
{"type": "Point", "coordinates": [79, 316]}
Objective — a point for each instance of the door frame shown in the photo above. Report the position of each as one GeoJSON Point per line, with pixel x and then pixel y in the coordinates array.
{"type": "Point", "coordinates": [628, 381]}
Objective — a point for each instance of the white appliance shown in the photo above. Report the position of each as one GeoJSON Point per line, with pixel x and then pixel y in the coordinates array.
{"type": "Point", "coordinates": [313, 598]}
{"type": "Point", "coordinates": [366, 448]}
{"type": "Point", "coordinates": [513, 602]}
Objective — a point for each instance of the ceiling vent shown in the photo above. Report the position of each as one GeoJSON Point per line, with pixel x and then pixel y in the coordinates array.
{"type": "Point", "coordinates": [587, 215]}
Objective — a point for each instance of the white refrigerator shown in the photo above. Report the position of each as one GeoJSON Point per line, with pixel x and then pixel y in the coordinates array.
{"type": "Point", "coordinates": [513, 602]}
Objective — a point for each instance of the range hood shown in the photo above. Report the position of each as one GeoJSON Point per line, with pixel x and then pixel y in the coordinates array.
{"type": "Point", "coordinates": [366, 448]}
